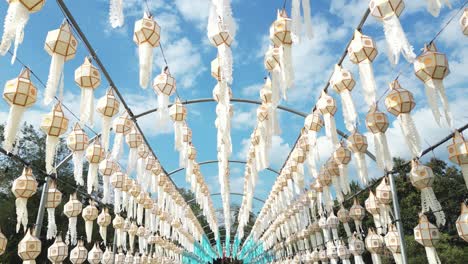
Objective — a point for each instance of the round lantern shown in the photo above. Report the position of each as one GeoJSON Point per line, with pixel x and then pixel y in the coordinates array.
{"type": "Point", "coordinates": [134, 139]}
{"type": "Point", "coordinates": [132, 231]}
{"type": "Point", "coordinates": [400, 102]}
{"type": "Point", "coordinates": [58, 252]}
{"type": "Point", "coordinates": [373, 207]}
{"type": "Point", "coordinates": [327, 106]}
{"type": "Point", "coordinates": [95, 255]}
{"type": "Point", "coordinates": [323, 255]}
{"type": "Point", "coordinates": [95, 153]}
{"type": "Point", "coordinates": [108, 256]}
{"type": "Point", "coordinates": [357, 143]}
{"type": "Point", "coordinates": [61, 46]}
{"type": "Point", "coordinates": [458, 153]}
{"type": "Point", "coordinates": [23, 188]}
{"type": "Point", "coordinates": [461, 223]}
{"type": "Point", "coordinates": [106, 168]}
{"type": "Point", "coordinates": [146, 35]}
{"type": "Point", "coordinates": [79, 253]}
{"type": "Point", "coordinates": [357, 213]}
{"type": "Point", "coordinates": [374, 245]}
{"type": "Point", "coordinates": [118, 225]}
{"type": "Point", "coordinates": [103, 220]}
{"type": "Point", "coordinates": [20, 93]}
{"type": "Point", "coordinates": [54, 198]}
{"type": "Point", "coordinates": [3, 243]}
{"type": "Point", "coordinates": [332, 223]}
{"type": "Point", "coordinates": [164, 85]}
{"type": "Point", "coordinates": [343, 83]}
{"type": "Point", "coordinates": [120, 257]}
{"type": "Point", "coordinates": [88, 78]}
{"type": "Point", "coordinates": [90, 213]}
{"type": "Point", "coordinates": [77, 142]}
{"type": "Point", "coordinates": [377, 123]}
{"type": "Point", "coordinates": [72, 209]}
{"type": "Point", "coordinates": [343, 252]}
{"type": "Point", "coordinates": [431, 67]}
{"type": "Point", "coordinates": [342, 156]}
{"type": "Point", "coordinates": [393, 243]}
{"type": "Point", "coordinates": [464, 21]}
{"type": "Point", "coordinates": [121, 126]}
{"type": "Point", "coordinates": [427, 235]}
{"type": "Point", "coordinates": [178, 113]}
{"type": "Point", "coordinates": [108, 107]}
{"type": "Point", "coordinates": [129, 257]}
{"type": "Point", "coordinates": [53, 124]}
{"type": "Point", "coordinates": [29, 247]}
{"type": "Point", "coordinates": [356, 247]}
{"type": "Point", "coordinates": [343, 216]}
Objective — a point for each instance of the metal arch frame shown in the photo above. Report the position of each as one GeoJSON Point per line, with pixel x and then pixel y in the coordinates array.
{"type": "Point", "coordinates": [248, 101]}
{"type": "Point", "coordinates": [217, 161]}
{"type": "Point", "coordinates": [232, 193]}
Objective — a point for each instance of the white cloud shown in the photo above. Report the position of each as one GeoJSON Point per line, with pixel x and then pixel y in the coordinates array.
{"type": "Point", "coordinates": [244, 120]}
{"type": "Point", "coordinates": [196, 11]}
{"type": "Point", "coordinates": [252, 90]}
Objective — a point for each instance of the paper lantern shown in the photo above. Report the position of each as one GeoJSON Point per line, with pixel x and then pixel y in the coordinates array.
{"type": "Point", "coordinates": [357, 213]}
{"type": "Point", "coordinates": [54, 124]}
{"type": "Point", "coordinates": [120, 258]}
{"type": "Point", "coordinates": [58, 252]}
{"type": "Point", "coordinates": [88, 78]}
{"type": "Point", "coordinates": [106, 168]}
{"type": "Point", "coordinates": [129, 257]}
{"type": "Point", "coordinates": [20, 93]}
{"type": "Point", "coordinates": [383, 193]}
{"type": "Point", "coordinates": [373, 207]}
{"type": "Point", "coordinates": [461, 223]}
{"type": "Point", "coordinates": [146, 35]}
{"type": "Point", "coordinates": [134, 139]}
{"type": "Point", "coordinates": [273, 64]}
{"type": "Point", "coordinates": [356, 247]}
{"type": "Point", "coordinates": [458, 153]}
{"type": "Point", "coordinates": [374, 245]}
{"type": "Point", "coordinates": [464, 22]}
{"type": "Point", "coordinates": [3, 243]}
{"type": "Point", "coordinates": [164, 85]}
{"type": "Point", "coordinates": [103, 220]}
{"type": "Point", "coordinates": [118, 225]}
{"type": "Point", "coordinates": [362, 51]}
{"type": "Point", "coordinates": [15, 21]}
{"type": "Point", "coordinates": [393, 243]}
{"type": "Point", "coordinates": [121, 126]}
{"type": "Point", "coordinates": [434, 6]}
{"type": "Point", "coordinates": [117, 181]}
{"type": "Point", "coordinates": [312, 124]}
{"type": "Point", "coordinates": [90, 213]}
{"type": "Point", "coordinates": [131, 235]}
{"type": "Point", "coordinates": [342, 157]}
{"type": "Point", "coordinates": [327, 106]}
{"type": "Point", "coordinates": [357, 143]}
{"type": "Point", "coordinates": [422, 178]}
{"type": "Point", "coordinates": [108, 256]}
{"type": "Point", "coordinates": [72, 209]}
{"type": "Point", "coordinates": [427, 235]}
{"type": "Point", "coordinates": [29, 247]}
{"type": "Point", "coordinates": [79, 254]}
{"type": "Point", "coordinates": [108, 107]}
{"type": "Point", "coordinates": [178, 113]}
{"type": "Point", "coordinates": [94, 154]}
{"type": "Point", "coordinates": [343, 252]}
{"type": "Point", "coordinates": [343, 83]}
{"type": "Point", "coordinates": [23, 188]}
{"type": "Point", "coordinates": [141, 238]}
{"type": "Point", "coordinates": [61, 46]}
{"type": "Point", "coordinates": [77, 142]}
{"type": "Point", "coordinates": [377, 123]}
{"type": "Point", "coordinates": [95, 255]}
{"type": "Point", "coordinates": [323, 255]}
{"type": "Point", "coordinates": [333, 222]}
{"type": "Point", "coordinates": [343, 216]}
{"type": "Point", "coordinates": [431, 67]}
{"type": "Point", "coordinates": [53, 199]}
{"type": "Point", "coordinates": [280, 36]}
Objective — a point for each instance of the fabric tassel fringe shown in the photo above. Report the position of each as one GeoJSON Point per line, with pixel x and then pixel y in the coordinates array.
{"type": "Point", "coordinates": [429, 202]}
{"type": "Point", "coordinates": [55, 72]}
{"type": "Point", "coordinates": [89, 231]}
{"type": "Point", "coordinates": [91, 181]}
{"type": "Point", "coordinates": [369, 86]}
{"type": "Point", "coordinates": [103, 233]}
{"type": "Point", "coordinates": [16, 19]}
{"type": "Point", "coordinates": [21, 213]}
{"type": "Point", "coordinates": [87, 105]}
{"type": "Point", "coordinates": [72, 234]}
{"type": "Point", "coordinates": [397, 41]}
{"type": "Point", "coordinates": [432, 257]}
{"type": "Point", "coordinates": [78, 167]}
{"type": "Point", "coordinates": [105, 131]}
{"type": "Point", "coordinates": [116, 15]}
{"type": "Point", "coordinates": [51, 225]}
{"type": "Point", "coordinates": [145, 52]}
{"type": "Point", "coordinates": [384, 159]}
{"type": "Point", "coordinates": [435, 90]}
{"type": "Point", "coordinates": [349, 111]}
{"type": "Point", "coordinates": [117, 147]}
{"type": "Point", "coordinates": [361, 165]}
{"type": "Point", "coordinates": [411, 134]}
{"type": "Point", "coordinates": [12, 126]}
{"type": "Point", "coordinates": [51, 145]}
{"type": "Point", "coordinates": [330, 128]}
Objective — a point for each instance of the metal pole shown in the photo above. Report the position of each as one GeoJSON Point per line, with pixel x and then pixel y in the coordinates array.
{"type": "Point", "coordinates": [42, 204]}
{"type": "Point", "coordinates": [396, 212]}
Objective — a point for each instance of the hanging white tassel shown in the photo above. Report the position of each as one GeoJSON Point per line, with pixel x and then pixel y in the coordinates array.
{"type": "Point", "coordinates": [15, 21]}
{"type": "Point", "coordinates": [369, 86]}
{"type": "Point", "coordinates": [140, 211]}
{"type": "Point", "coordinates": [71, 233]}
{"type": "Point", "coordinates": [103, 233]}
{"type": "Point", "coordinates": [434, 6]}
{"type": "Point", "coordinates": [434, 89]}
{"type": "Point", "coordinates": [91, 181]}
{"type": "Point", "coordinates": [87, 105]}
{"type": "Point", "coordinates": [145, 53]}
{"type": "Point", "coordinates": [89, 230]}
{"type": "Point", "coordinates": [330, 128]}
{"type": "Point", "coordinates": [349, 111]}
{"type": "Point", "coordinates": [117, 200]}
{"type": "Point", "coordinates": [55, 72]}
{"type": "Point", "coordinates": [12, 126]}
{"type": "Point", "coordinates": [51, 145]}
{"type": "Point", "coordinates": [163, 110]}
{"type": "Point", "coordinates": [358, 259]}
{"type": "Point", "coordinates": [384, 159]}
{"type": "Point", "coordinates": [78, 167]}
{"type": "Point", "coordinates": [307, 19]}
{"type": "Point", "coordinates": [287, 67]}
{"type": "Point", "coordinates": [296, 20]}
{"type": "Point", "coordinates": [105, 131]}
{"type": "Point", "coordinates": [338, 191]}
{"type": "Point", "coordinates": [178, 128]}
{"type": "Point", "coordinates": [132, 160]}
{"type": "Point", "coordinates": [106, 193]}
{"type": "Point", "coordinates": [51, 225]}
{"type": "Point", "coordinates": [411, 133]}
{"type": "Point", "coordinates": [361, 165]}
{"type": "Point", "coordinates": [225, 57]}
{"type": "Point", "coordinates": [397, 41]}
{"type": "Point", "coordinates": [117, 146]}
{"type": "Point", "coordinates": [432, 257]}
{"type": "Point", "coordinates": [21, 213]}
{"type": "Point", "coordinates": [344, 179]}
{"type": "Point", "coordinates": [116, 15]}
{"type": "Point", "coordinates": [376, 258]}
{"type": "Point", "coordinates": [429, 202]}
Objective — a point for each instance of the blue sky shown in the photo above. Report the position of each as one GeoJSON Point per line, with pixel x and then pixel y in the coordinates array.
{"type": "Point", "coordinates": [189, 55]}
